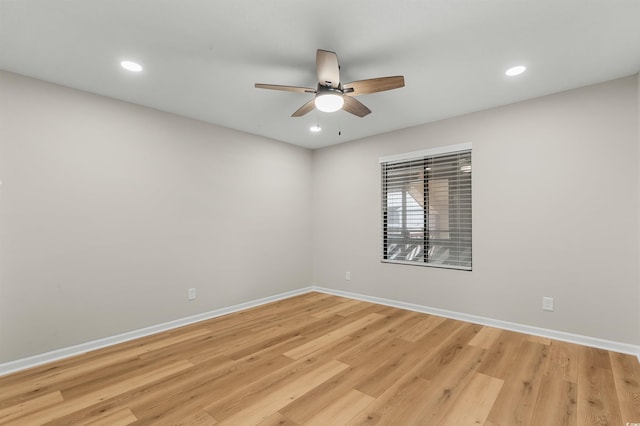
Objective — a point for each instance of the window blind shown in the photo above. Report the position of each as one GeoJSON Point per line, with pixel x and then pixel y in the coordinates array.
{"type": "Point", "coordinates": [426, 209]}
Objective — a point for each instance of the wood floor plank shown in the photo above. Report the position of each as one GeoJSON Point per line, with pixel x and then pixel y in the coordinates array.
{"type": "Point", "coordinates": [277, 419]}
{"type": "Point", "coordinates": [449, 383]}
{"type": "Point", "coordinates": [539, 339]}
{"type": "Point", "coordinates": [74, 370]}
{"type": "Point", "coordinates": [516, 401]}
{"type": "Point", "coordinates": [447, 349]}
{"type": "Point", "coordinates": [419, 330]}
{"type": "Point", "coordinates": [373, 345]}
{"type": "Point", "coordinates": [444, 386]}
{"type": "Point", "coordinates": [474, 404]}
{"type": "Point", "coordinates": [279, 398]}
{"type": "Point", "coordinates": [239, 397]}
{"type": "Point", "coordinates": [388, 350]}
{"type": "Point", "coordinates": [503, 355]}
{"type": "Point", "coordinates": [441, 333]}
{"type": "Point", "coordinates": [180, 417]}
{"type": "Point", "coordinates": [184, 393]}
{"type": "Point", "coordinates": [393, 321]}
{"type": "Point", "coordinates": [395, 364]}
{"type": "Point", "coordinates": [355, 308]}
{"type": "Point", "coordinates": [563, 361]}
{"type": "Point", "coordinates": [486, 337]}
{"type": "Point", "coordinates": [322, 359]}
{"type": "Point", "coordinates": [66, 407]}
{"type": "Point", "coordinates": [38, 403]}
{"type": "Point", "coordinates": [208, 382]}
{"type": "Point", "coordinates": [120, 417]}
{"type": "Point", "coordinates": [308, 405]}
{"type": "Point", "coordinates": [332, 336]}
{"type": "Point", "coordinates": [117, 374]}
{"type": "Point", "coordinates": [556, 403]}
{"type": "Point", "coordinates": [626, 376]}
{"type": "Point", "coordinates": [597, 399]}
{"type": "Point", "coordinates": [263, 340]}
{"type": "Point", "coordinates": [342, 409]}
{"type": "Point", "coordinates": [395, 405]}
{"type": "Point", "coordinates": [337, 309]}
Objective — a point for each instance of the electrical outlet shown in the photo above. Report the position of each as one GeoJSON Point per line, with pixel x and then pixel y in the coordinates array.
{"type": "Point", "coordinates": [547, 304]}
{"type": "Point", "coordinates": [192, 294]}
{"type": "Point", "coordinates": [347, 276]}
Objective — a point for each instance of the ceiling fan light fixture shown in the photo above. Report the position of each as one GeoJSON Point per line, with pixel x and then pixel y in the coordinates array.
{"type": "Point", "coordinates": [329, 102]}
{"type": "Point", "coordinates": [330, 94]}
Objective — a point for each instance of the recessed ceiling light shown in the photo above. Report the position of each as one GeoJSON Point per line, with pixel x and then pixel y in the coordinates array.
{"type": "Point", "coordinates": [513, 71]}
{"type": "Point", "coordinates": [131, 66]}
{"type": "Point", "coordinates": [315, 129]}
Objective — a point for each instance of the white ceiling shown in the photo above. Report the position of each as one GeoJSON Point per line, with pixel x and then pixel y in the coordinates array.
{"type": "Point", "coordinates": [202, 57]}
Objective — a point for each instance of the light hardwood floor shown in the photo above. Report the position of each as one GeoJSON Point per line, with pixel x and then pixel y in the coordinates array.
{"type": "Point", "coordinates": [323, 360]}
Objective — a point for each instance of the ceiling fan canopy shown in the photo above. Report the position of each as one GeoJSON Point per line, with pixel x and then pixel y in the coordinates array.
{"type": "Point", "coordinates": [330, 94]}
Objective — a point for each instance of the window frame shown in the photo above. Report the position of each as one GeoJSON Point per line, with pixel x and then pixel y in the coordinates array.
{"type": "Point", "coordinates": [424, 155]}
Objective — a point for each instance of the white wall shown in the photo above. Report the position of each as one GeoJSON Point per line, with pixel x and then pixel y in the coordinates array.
{"type": "Point", "coordinates": [109, 212]}
{"type": "Point", "coordinates": [555, 213]}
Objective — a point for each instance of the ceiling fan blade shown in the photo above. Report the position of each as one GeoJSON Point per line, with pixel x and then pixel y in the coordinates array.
{"type": "Point", "coordinates": [306, 108]}
{"type": "Point", "coordinates": [373, 85]}
{"type": "Point", "coordinates": [328, 69]}
{"type": "Point", "coordinates": [285, 88]}
{"type": "Point", "coordinates": [355, 107]}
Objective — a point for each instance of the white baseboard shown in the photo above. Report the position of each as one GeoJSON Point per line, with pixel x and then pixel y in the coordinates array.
{"type": "Point", "coordinates": [33, 361]}
{"type": "Point", "coordinates": [505, 325]}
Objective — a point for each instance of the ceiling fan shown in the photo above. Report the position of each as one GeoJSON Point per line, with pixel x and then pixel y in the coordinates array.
{"type": "Point", "coordinates": [331, 95]}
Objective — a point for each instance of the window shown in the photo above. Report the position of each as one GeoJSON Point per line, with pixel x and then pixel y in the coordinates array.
{"type": "Point", "coordinates": [426, 207]}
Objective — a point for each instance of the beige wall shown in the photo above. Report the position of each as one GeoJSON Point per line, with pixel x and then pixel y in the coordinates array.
{"type": "Point", "coordinates": [555, 202]}
{"type": "Point", "coordinates": [109, 212]}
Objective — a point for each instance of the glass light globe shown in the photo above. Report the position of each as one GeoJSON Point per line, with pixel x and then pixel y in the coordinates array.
{"type": "Point", "coordinates": [329, 102]}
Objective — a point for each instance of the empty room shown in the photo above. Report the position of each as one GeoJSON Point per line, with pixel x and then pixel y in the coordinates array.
{"type": "Point", "coordinates": [332, 213]}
